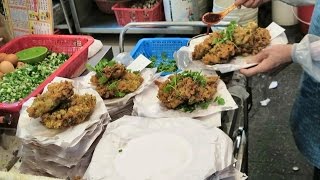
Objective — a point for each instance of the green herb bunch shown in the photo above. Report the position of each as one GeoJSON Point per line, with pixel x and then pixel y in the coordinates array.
{"type": "Point", "coordinates": [166, 64]}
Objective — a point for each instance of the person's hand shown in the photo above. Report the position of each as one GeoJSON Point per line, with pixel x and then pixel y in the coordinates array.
{"type": "Point", "coordinates": [250, 3]}
{"type": "Point", "coordinates": [268, 59]}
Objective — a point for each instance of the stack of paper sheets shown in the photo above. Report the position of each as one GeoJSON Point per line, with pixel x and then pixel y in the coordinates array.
{"type": "Point", "coordinates": [60, 153]}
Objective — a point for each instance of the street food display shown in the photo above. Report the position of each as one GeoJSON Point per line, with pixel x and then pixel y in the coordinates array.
{"type": "Point", "coordinates": [221, 46]}
{"type": "Point", "coordinates": [61, 127]}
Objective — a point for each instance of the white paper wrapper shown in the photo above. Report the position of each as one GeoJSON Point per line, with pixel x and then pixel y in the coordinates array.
{"type": "Point", "coordinates": [146, 104]}
{"type": "Point", "coordinates": [66, 157]}
{"type": "Point", "coordinates": [148, 77]}
{"type": "Point", "coordinates": [213, 120]}
{"type": "Point", "coordinates": [185, 61]}
{"type": "Point", "coordinates": [55, 169]}
{"type": "Point", "coordinates": [30, 129]}
{"type": "Point", "coordinates": [167, 148]}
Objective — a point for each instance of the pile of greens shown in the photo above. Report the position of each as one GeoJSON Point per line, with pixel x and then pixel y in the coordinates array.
{"type": "Point", "coordinates": [21, 82]}
{"type": "Point", "coordinates": [165, 65]}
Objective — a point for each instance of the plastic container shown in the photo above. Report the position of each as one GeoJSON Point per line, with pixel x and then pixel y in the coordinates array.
{"type": "Point", "coordinates": [157, 46]}
{"type": "Point", "coordinates": [304, 15]}
{"type": "Point", "coordinates": [126, 15]}
{"type": "Point", "coordinates": [75, 46]}
{"type": "Point", "coordinates": [283, 14]}
{"type": "Point", "coordinates": [105, 6]}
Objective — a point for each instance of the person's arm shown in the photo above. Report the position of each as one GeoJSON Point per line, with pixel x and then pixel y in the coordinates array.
{"type": "Point", "coordinates": [307, 54]}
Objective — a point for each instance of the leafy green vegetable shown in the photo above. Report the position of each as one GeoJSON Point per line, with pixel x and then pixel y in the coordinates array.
{"type": "Point", "coordinates": [153, 60]}
{"type": "Point", "coordinates": [164, 55]}
{"type": "Point", "coordinates": [166, 64]}
{"type": "Point", "coordinates": [219, 100]}
{"type": "Point", "coordinates": [196, 76]}
{"type": "Point", "coordinates": [99, 69]}
{"type": "Point", "coordinates": [113, 85]}
{"type": "Point", "coordinates": [21, 82]}
{"type": "Point", "coordinates": [227, 34]}
{"type": "Point", "coordinates": [120, 94]}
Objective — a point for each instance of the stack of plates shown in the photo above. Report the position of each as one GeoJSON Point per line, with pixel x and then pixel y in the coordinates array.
{"type": "Point", "coordinates": [60, 153]}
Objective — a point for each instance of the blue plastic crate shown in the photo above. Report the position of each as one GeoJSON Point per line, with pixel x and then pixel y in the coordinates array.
{"type": "Point", "coordinates": [156, 46]}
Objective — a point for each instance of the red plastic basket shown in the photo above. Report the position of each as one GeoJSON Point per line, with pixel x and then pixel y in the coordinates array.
{"type": "Point", "coordinates": [105, 6]}
{"type": "Point", "coordinates": [126, 15]}
{"type": "Point", "coordinates": [75, 46]}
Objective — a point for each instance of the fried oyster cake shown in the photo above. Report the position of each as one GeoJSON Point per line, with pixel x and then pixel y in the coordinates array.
{"type": "Point", "coordinates": [113, 80]}
{"type": "Point", "coordinates": [187, 90]}
{"type": "Point", "coordinates": [60, 108]}
{"type": "Point", "coordinates": [57, 93]}
{"type": "Point", "coordinates": [72, 113]}
{"type": "Point", "coordinates": [221, 46]}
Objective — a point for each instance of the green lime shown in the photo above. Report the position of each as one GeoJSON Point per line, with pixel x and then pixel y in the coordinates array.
{"type": "Point", "coordinates": [32, 55]}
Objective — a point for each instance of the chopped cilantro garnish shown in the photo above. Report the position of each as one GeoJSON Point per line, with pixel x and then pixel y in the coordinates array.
{"type": "Point", "coordinates": [196, 76]}
{"type": "Point", "coordinates": [219, 100]}
{"type": "Point", "coordinates": [226, 34]}
{"type": "Point", "coordinates": [120, 94]}
{"type": "Point", "coordinates": [99, 69]}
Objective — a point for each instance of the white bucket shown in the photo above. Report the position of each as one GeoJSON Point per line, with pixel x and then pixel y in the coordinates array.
{"type": "Point", "coordinates": [241, 16]}
{"type": "Point", "coordinates": [283, 14]}
{"type": "Point", "coordinates": [182, 10]}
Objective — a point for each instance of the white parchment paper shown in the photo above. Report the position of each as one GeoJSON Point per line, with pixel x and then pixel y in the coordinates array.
{"type": "Point", "coordinates": [30, 129]}
{"type": "Point", "coordinates": [146, 104]}
{"type": "Point", "coordinates": [209, 149]}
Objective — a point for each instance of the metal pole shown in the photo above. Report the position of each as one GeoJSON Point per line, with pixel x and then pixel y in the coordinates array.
{"type": "Point", "coordinates": [160, 24]}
